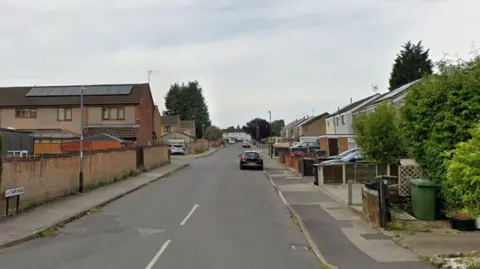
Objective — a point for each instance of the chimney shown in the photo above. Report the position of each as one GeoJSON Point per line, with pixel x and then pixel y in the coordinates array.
{"type": "Point", "coordinates": [351, 101]}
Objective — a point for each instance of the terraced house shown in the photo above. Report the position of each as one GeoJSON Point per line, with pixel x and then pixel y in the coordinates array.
{"type": "Point", "coordinates": [53, 113]}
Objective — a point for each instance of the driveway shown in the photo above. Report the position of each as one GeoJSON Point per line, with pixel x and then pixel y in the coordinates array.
{"type": "Point", "coordinates": [208, 216]}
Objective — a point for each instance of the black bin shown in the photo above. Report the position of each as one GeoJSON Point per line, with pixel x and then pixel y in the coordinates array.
{"type": "Point", "coordinates": [308, 167]}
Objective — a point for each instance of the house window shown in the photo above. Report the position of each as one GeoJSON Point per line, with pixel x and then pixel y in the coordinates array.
{"type": "Point", "coordinates": [64, 114]}
{"type": "Point", "coordinates": [113, 113]}
{"type": "Point", "coordinates": [167, 129]}
{"type": "Point", "coordinates": [343, 120]}
{"type": "Point", "coordinates": [26, 113]}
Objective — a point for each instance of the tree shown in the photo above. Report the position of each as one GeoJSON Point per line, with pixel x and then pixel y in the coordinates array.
{"type": "Point", "coordinates": [238, 128]}
{"type": "Point", "coordinates": [230, 129]}
{"type": "Point", "coordinates": [213, 133]}
{"type": "Point", "coordinates": [411, 64]}
{"type": "Point", "coordinates": [277, 126]}
{"type": "Point", "coordinates": [378, 135]}
{"type": "Point", "coordinates": [258, 128]}
{"type": "Point", "coordinates": [187, 101]}
{"type": "Point", "coordinates": [461, 188]}
{"type": "Point", "coordinates": [439, 112]}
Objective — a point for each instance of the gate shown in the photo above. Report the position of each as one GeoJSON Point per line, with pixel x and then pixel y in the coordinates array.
{"type": "Point", "coordinates": [139, 158]}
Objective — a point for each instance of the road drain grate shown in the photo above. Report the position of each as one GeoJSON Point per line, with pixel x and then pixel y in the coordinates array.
{"type": "Point", "coordinates": [299, 247]}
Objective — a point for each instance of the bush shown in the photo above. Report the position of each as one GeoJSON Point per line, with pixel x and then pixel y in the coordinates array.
{"type": "Point", "coordinates": [439, 112]}
{"type": "Point", "coordinates": [378, 135]}
{"type": "Point", "coordinates": [461, 188]}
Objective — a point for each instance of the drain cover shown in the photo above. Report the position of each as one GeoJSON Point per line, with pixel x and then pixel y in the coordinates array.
{"type": "Point", "coordinates": [299, 247]}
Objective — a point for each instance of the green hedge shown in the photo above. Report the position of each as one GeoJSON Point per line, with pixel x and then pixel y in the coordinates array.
{"type": "Point", "coordinates": [439, 112]}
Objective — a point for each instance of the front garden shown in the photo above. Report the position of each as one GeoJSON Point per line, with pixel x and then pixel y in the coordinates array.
{"type": "Point", "coordinates": [438, 127]}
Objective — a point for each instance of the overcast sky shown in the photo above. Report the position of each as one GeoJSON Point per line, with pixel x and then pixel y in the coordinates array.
{"type": "Point", "coordinates": [250, 56]}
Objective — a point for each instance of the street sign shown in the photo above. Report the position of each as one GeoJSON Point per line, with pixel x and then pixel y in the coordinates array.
{"type": "Point", "coordinates": [14, 192]}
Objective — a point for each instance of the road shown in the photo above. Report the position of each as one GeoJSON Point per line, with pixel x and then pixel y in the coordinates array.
{"type": "Point", "coordinates": [210, 215]}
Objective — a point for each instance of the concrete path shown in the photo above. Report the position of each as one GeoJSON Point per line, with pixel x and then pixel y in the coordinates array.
{"type": "Point", "coordinates": [339, 236]}
{"type": "Point", "coordinates": [211, 215]}
{"type": "Point", "coordinates": [28, 224]}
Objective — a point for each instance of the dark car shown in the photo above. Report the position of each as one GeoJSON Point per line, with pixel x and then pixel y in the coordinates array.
{"type": "Point", "coordinates": [251, 159]}
{"type": "Point", "coordinates": [245, 144]}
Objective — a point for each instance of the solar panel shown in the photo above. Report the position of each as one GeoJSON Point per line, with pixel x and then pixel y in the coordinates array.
{"type": "Point", "coordinates": [87, 90]}
{"type": "Point", "coordinates": [113, 90]}
{"type": "Point", "coordinates": [68, 91]}
{"type": "Point", "coordinates": [56, 91]}
{"type": "Point", "coordinates": [33, 92]}
{"type": "Point", "coordinates": [76, 90]}
{"type": "Point", "coordinates": [125, 89]}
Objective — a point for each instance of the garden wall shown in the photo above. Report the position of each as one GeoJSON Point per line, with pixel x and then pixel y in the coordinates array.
{"type": "Point", "coordinates": [47, 178]}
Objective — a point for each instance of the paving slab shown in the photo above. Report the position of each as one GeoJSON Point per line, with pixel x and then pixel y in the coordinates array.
{"type": "Point", "coordinates": [297, 187]}
{"type": "Point", "coordinates": [303, 197]}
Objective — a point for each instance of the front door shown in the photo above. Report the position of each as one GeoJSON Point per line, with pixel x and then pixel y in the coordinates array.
{"type": "Point", "coordinates": [332, 146]}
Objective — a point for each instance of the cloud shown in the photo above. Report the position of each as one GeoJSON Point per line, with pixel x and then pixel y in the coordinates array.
{"type": "Point", "coordinates": [290, 57]}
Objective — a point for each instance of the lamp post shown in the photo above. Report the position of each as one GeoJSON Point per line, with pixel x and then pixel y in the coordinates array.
{"type": "Point", "coordinates": [270, 121]}
{"type": "Point", "coordinates": [80, 174]}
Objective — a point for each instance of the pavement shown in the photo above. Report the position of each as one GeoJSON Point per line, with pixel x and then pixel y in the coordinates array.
{"type": "Point", "coordinates": [210, 215]}
{"type": "Point", "coordinates": [338, 236]}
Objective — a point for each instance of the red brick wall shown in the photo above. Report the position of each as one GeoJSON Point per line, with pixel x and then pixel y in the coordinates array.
{"type": "Point", "coordinates": [144, 116]}
{"type": "Point", "coordinates": [154, 156]}
{"type": "Point", "coordinates": [197, 144]}
{"type": "Point", "coordinates": [324, 144]}
{"type": "Point", "coordinates": [48, 178]}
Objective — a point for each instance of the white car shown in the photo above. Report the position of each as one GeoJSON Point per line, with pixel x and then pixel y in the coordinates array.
{"type": "Point", "coordinates": [177, 149]}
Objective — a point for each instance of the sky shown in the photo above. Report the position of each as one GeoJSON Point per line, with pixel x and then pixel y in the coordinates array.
{"type": "Point", "coordinates": [291, 57]}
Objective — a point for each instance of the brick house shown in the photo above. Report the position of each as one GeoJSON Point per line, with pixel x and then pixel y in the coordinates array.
{"type": "Point", "coordinates": [188, 127]}
{"type": "Point", "coordinates": [122, 110]}
{"type": "Point", "coordinates": [171, 123]}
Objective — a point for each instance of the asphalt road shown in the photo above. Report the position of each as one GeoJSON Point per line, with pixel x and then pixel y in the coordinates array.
{"type": "Point", "coordinates": [210, 215]}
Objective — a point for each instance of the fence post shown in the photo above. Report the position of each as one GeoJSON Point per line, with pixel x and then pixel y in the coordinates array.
{"type": "Point", "coordinates": [344, 174]}
{"type": "Point", "coordinates": [320, 176]}
{"type": "Point", "coordinates": [350, 192]}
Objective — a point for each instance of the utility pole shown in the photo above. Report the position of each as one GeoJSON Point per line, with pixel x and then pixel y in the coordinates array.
{"type": "Point", "coordinates": [80, 174]}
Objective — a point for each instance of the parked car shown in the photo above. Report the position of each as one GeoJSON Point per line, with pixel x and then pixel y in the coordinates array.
{"type": "Point", "coordinates": [245, 144]}
{"type": "Point", "coordinates": [306, 145]}
{"type": "Point", "coordinates": [251, 159]}
{"type": "Point", "coordinates": [177, 149]}
{"type": "Point", "coordinates": [294, 144]}
{"type": "Point", "coordinates": [353, 157]}
{"type": "Point", "coordinates": [343, 154]}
